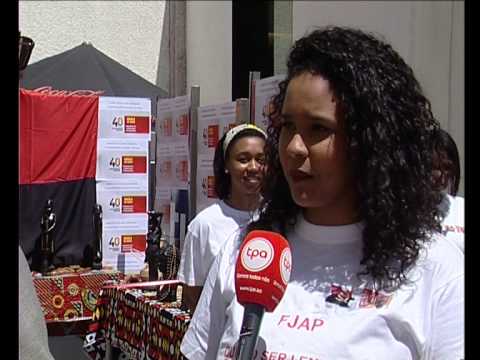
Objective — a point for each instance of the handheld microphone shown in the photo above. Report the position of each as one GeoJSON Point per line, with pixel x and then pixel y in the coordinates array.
{"type": "Point", "coordinates": [262, 273]}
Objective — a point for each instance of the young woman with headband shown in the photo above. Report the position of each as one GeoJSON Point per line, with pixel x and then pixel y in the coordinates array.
{"type": "Point", "coordinates": [238, 168]}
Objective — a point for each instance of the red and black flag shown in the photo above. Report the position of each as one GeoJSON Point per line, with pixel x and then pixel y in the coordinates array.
{"type": "Point", "coordinates": [58, 149]}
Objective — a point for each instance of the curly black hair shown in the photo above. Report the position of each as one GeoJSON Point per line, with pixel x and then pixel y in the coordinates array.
{"type": "Point", "coordinates": [389, 128]}
{"type": "Point", "coordinates": [222, 180]}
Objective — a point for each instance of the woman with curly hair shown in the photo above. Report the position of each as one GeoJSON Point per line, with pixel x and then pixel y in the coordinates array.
{"type": "Point", "coordinates": [238, 167]}
{"type": "Point", "coordinates": [349, 183]}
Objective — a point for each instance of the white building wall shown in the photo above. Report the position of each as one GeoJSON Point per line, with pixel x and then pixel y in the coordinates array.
{"type": "Point", "coordinates": [134, 33]}
{"type": "Point", "coordinates": [130, 32]}
{"type": "Point", "coordinates": [429, 35]}
{"type": "Point", "coordinates": [209, 50]}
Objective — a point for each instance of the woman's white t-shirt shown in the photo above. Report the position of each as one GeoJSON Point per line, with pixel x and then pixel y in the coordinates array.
{"type": "Point", "coordinates": [206, 234]}
{"type": "Point", "coordinates": [328, 313]}
{"type": "Point", "coordinates": [453, 225]}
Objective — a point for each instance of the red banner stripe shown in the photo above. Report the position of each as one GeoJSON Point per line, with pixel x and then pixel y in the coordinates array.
{"type": "Point", "coordinates": [58, 137]}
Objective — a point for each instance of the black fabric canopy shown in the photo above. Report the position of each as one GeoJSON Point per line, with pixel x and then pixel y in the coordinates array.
{"type": "Point", "coordinates": [86, 68]}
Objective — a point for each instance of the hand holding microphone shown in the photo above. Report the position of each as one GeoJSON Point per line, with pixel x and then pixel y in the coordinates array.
{"type": "Point", "coordinates": [262, 273]}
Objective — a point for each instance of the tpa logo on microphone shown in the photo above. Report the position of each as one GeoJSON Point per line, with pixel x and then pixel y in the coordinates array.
{"type": "Point", "coordinates": [257, 254]}
{"type": "Point", "coordinates": [286, 265]}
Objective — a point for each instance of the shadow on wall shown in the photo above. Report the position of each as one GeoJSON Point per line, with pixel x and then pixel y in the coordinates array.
{"type": "Point", "coordinates": [171, 70]}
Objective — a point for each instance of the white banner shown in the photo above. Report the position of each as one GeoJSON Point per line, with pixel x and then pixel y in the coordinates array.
{"type": "Point", "coordinates": [173, 157]}
{"type": "Point", "coordinates": [164, 166]}
{"type": "Point", "coordinates": [205, 182]}
{"type": "Point", "coordinates": [122, 198]}
{"type": "Point", "coordinates": [264, 90]}
{"type": "Point", "coordinates": [227, 116]}
{"type": "Point", "coordinates": [124, 117]}
{"type": "Point", "coordinates": [122, 159]}
{"type": "Point", "coordinates": [122, 179]}
{"type": "Point", "coordinates": [180, 166]}
{"type": "Point", "coordinates": [124, 244]}
{"type": "Point", "coordinates": [213, 122]}
{"type": "Point", "coordinates": [173, 121]}
{"type": "Point", "coordinates": [208, 132]}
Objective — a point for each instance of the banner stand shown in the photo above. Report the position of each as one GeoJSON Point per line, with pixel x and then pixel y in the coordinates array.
{"type": "Point", "coordinates": [194, 104]}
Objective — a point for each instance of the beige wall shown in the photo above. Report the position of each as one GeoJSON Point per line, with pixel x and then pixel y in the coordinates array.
{"type": "Point", "coordinates": [428, 35]}
{"type": "Point", "coordinates": [209, 50]}
{"type": "Point", "coordinates": [135, 33]}
{"type": "Point", "coordinates": [128, 31]}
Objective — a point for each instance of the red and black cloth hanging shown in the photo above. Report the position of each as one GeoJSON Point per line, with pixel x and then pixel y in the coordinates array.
{"type": "Point", "coordinates": [58, 149]}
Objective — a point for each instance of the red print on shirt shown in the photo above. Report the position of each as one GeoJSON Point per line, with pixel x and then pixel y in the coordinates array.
{"type": "Point", "coordinates": [340, 296]}
{"type": "Point", "coordinates": [373, 298]}
{"type": "Point", "coordinates": [273, 355]}
{"type": "Point", "coordinates": [230, 351]}
{"type": "Point", "coordinates": [298, 322]}
{"type": "Point", "coordinates": [453, 228]}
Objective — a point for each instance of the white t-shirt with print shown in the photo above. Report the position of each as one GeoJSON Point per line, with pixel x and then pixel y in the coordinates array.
{"type": "Point", "coordinates": [453, 225]}
{"type": "Point", "coordinates": [328, 313]}
{"type": "Point", "coordinates": [206, 234]}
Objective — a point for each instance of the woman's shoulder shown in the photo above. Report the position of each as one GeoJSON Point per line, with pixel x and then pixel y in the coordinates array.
{"type": "Point", "coordinates": [208, 214]}
{"type": "Point", "coordinates": [457, 205]}
{"type": "Point", "coordinates": [221, 215]}
{"type": "Point", "coordinates": [204, 220]}
{"type": "Point", "coordinates": [442, 258]}
{"type": "Point", "coordinates": [456, 199]}
{"type": "Point", "coordinates": [441, 248]}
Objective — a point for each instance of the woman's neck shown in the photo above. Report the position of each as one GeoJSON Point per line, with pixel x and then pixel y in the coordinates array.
{"type": "Point", "coordinates": [244, 203]}
{"type": "Point", "coordinates": [333, 216]}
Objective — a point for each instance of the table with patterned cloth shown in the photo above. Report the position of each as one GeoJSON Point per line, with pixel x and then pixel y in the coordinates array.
{"type": "Point", "coordinates": [70, 298]}
{"type": "Point", "coordinates": [136, 320]}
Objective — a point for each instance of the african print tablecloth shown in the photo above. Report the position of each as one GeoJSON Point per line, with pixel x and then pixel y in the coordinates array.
{"type": "Point", "coordinates": [135, 321]}
{"type": "Point", "coordinates": [73, 296]}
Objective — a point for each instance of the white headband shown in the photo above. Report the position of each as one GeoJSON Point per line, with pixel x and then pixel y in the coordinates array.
{"type": "Point", "coordinates": [236, 130]}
